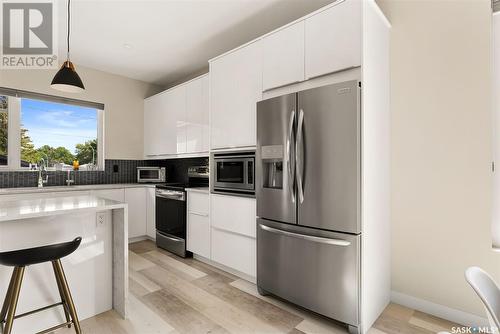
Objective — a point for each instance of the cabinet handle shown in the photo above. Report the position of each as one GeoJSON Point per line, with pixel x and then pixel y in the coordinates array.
{"type": "Point", "coordinates": [198, 214]}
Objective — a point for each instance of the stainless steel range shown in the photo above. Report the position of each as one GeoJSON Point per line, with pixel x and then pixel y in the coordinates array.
{"type": "Point", "coordinates": [171, 211]}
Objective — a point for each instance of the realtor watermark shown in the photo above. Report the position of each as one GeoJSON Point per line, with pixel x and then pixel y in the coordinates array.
{"type": "Point", "coordinates": [28, 32]}
{"type": "Point", "coordinates": [472, 330]}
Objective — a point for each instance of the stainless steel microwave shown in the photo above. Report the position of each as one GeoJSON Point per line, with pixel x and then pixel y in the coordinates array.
{"type": "Point", "coordinates": [151, 174]}
{"type": "Point", "coordinates": [234, 172]}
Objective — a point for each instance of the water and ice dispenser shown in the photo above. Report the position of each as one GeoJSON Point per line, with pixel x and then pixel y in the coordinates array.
{"type": "Point", "coordinates": [272, 165]}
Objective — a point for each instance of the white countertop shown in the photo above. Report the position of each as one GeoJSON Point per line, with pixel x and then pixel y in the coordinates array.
{"type": "Point", "coordinates": [51, 206]}
{"type": "Point", "coordinates": [24, 190]}
{"type": "Point", "coordinates": [204, 190]}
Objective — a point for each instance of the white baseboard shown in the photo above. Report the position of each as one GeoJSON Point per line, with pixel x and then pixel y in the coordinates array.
{"type": "Point", "coordinates": [224, 268]}
{"type": "Point", "coordinates": [137, 239]}
{"type": "Point", "coordinates": [441, 311]}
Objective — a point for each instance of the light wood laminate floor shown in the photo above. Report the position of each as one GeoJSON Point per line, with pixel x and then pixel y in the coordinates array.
{"type": "Point", "coordinates": [169, 294]}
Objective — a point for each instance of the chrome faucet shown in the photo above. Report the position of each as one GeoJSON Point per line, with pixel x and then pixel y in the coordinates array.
{"type": "Point", "coordinates": [42, 168]}
{"type": "Point", "coordinates": [93, 159]}
{"type": "Point", "coordinates": [69, 180]}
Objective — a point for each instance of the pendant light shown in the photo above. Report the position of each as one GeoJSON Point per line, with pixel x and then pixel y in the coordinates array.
{"type": "Point", "coordinates": [66, 79]}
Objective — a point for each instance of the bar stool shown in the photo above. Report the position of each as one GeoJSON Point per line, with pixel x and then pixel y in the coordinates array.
{"type": "Point", "coordinates": [19, 259]}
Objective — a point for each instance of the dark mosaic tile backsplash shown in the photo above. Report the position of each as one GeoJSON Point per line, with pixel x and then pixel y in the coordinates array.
{"type": "Point", "coordinates": [127, 173]}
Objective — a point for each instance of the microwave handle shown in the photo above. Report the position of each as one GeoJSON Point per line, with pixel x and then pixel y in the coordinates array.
{"type": "Point", "coordinates": [250, 171]}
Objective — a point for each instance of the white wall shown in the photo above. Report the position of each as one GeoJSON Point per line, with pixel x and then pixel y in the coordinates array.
{"type": "Point", "coordinates": [441, 148]}
{"type": "Point", "coordinates": [122, 97]}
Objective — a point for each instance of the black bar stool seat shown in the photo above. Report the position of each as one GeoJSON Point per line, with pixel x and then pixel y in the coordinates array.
{"type": "Point", "coordinates": [19, 259]}
{"type": "Point", "coordinates": [29, 256]}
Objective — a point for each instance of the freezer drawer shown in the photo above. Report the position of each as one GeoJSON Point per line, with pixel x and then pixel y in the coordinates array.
{"type": "Point", "coordinates": [319, 271]}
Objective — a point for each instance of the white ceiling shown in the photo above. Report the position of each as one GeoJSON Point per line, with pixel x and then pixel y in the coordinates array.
{"type": "Point", "coordinates": [169, 40]}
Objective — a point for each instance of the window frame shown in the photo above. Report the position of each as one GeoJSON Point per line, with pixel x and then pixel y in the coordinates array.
{"type": "Point", "coordinates": [14, 127]}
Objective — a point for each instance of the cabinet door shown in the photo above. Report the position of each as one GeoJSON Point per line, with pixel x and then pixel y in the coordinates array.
{"type": "Point", "coordinates": [198, 224]}
{"type": "Point", "coordinates": [235, 88]}
{"type": "Point", "coordinates": [150, 213]}
{"type": "Point", "coordinates": [153, 120]}
{"type": "Point", "coordinates": [239, 219]}
{"type": "Point", "coordinates": [283, 57]}
{"type": "Point", "coordinates": [176, 114]}
{"type": "Point", "coordinates": [198, 234]}
{"type": "Point", "coordinates": [113, 194]}
{"type": "Point", "coordinates": [205, 133]}
{"type": "Point", "coordinates": [136, 200]}
{"type": "Point", "coordinates": [333, 39]}
{"type": "Point", "coordinates": [197, 115]}
{"type": "Point", "coordinates": [235, 251]}
{"type": "Point", "coordinates": [198, 202]}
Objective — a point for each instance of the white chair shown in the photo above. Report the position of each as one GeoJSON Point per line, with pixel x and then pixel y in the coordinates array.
{"type": "Point", "coordinates": [489, 293]}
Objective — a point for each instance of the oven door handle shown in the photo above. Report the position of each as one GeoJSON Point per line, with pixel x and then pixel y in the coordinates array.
{"type": "Point", "coordinates": [170, 237]}
{"type": "Point", "coordinates": [175, 197]}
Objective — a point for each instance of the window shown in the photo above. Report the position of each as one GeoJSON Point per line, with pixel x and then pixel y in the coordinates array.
{"type": "Point", "coordinates": [57, 134]}
{"type": "Point", "coordinates": [38, 130]}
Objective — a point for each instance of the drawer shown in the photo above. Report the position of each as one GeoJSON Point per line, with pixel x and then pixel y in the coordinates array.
{"type": "Point", "coordinates": [234, 214]}
{"type": "Point", "coordinates": [234, 251]}
{"type": "Point", "coordinates": [325, 265]}
{"type": "Point", "coordinates": [198, 235]}
{"type": "Point", "coordinates": [198, 202]}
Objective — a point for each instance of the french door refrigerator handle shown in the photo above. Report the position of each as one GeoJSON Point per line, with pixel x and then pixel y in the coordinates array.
{"type": "Point", "coordinates": [299, 156]}
{"type": "Point", "coordinates": [336, 242]}
{"type": "Point", "coordinates": [291, 159]}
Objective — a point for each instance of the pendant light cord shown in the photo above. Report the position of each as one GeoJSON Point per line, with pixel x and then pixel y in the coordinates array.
{"type": "Point", "coordinates": [69, 16]}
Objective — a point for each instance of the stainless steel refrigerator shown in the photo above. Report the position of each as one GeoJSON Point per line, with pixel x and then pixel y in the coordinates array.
{"type": "Point", "coordinates": [308, 199]}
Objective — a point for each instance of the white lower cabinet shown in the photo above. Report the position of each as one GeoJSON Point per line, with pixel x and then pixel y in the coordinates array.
{"type": "Point", "coordinates": [235, 251]}
{"type": "Point", "coordinates": [233, 241]}
{"type": "Point", "coordinates": [150, 213]}
{"type": "Point", "coordinates": [198, 234]}
{"type": "Point", "coordinates": [234, 214]}
{"type": "Point", "coordinates": [198, 224]}
{"type": "Point", "coordinates": [137, 208]}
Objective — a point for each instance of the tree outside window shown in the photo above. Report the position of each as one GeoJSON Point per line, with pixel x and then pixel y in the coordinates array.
{"type": "Point", "coordinates": [58, 134]}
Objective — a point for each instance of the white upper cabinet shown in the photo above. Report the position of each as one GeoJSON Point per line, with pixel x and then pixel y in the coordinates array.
{"type": "Point", "coordinates": [155, 119]}
{"type": "Point", "coordinates": [176, 110]}
{"type": "Point", "coordinates": [197, 115]}
{"type": "Point", "coordinates": [162, 126]}
{"type": "Point", "coordinates": [333, 39]}
{"type": "Point", "coordinates": [283, 57]}
{"type": "Point", "coordinates": [176, 121]}
{"type": "Point", "coordinates": [235, 88]}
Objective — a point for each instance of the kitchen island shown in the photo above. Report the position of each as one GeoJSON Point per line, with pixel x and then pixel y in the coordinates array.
{"type": "Point", "coordinates": [97, 271]}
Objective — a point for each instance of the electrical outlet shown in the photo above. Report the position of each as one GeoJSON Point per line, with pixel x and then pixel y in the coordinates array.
{"type": "Point", "coordinates": [101, 218]}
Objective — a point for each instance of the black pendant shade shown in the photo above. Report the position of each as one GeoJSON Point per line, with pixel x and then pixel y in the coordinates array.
{"type": "Point", "coordinates": [67, 80]}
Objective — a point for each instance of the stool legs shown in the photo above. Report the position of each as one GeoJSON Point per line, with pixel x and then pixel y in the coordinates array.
{"type": "Point", "coordinates": [6, 302]}
{"type": "Point", "coordinates": [67, 294]}
{"type": "Point", "coordinates": [63, 299]}
{"type": "Point", "coordinates": [13, 297]}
